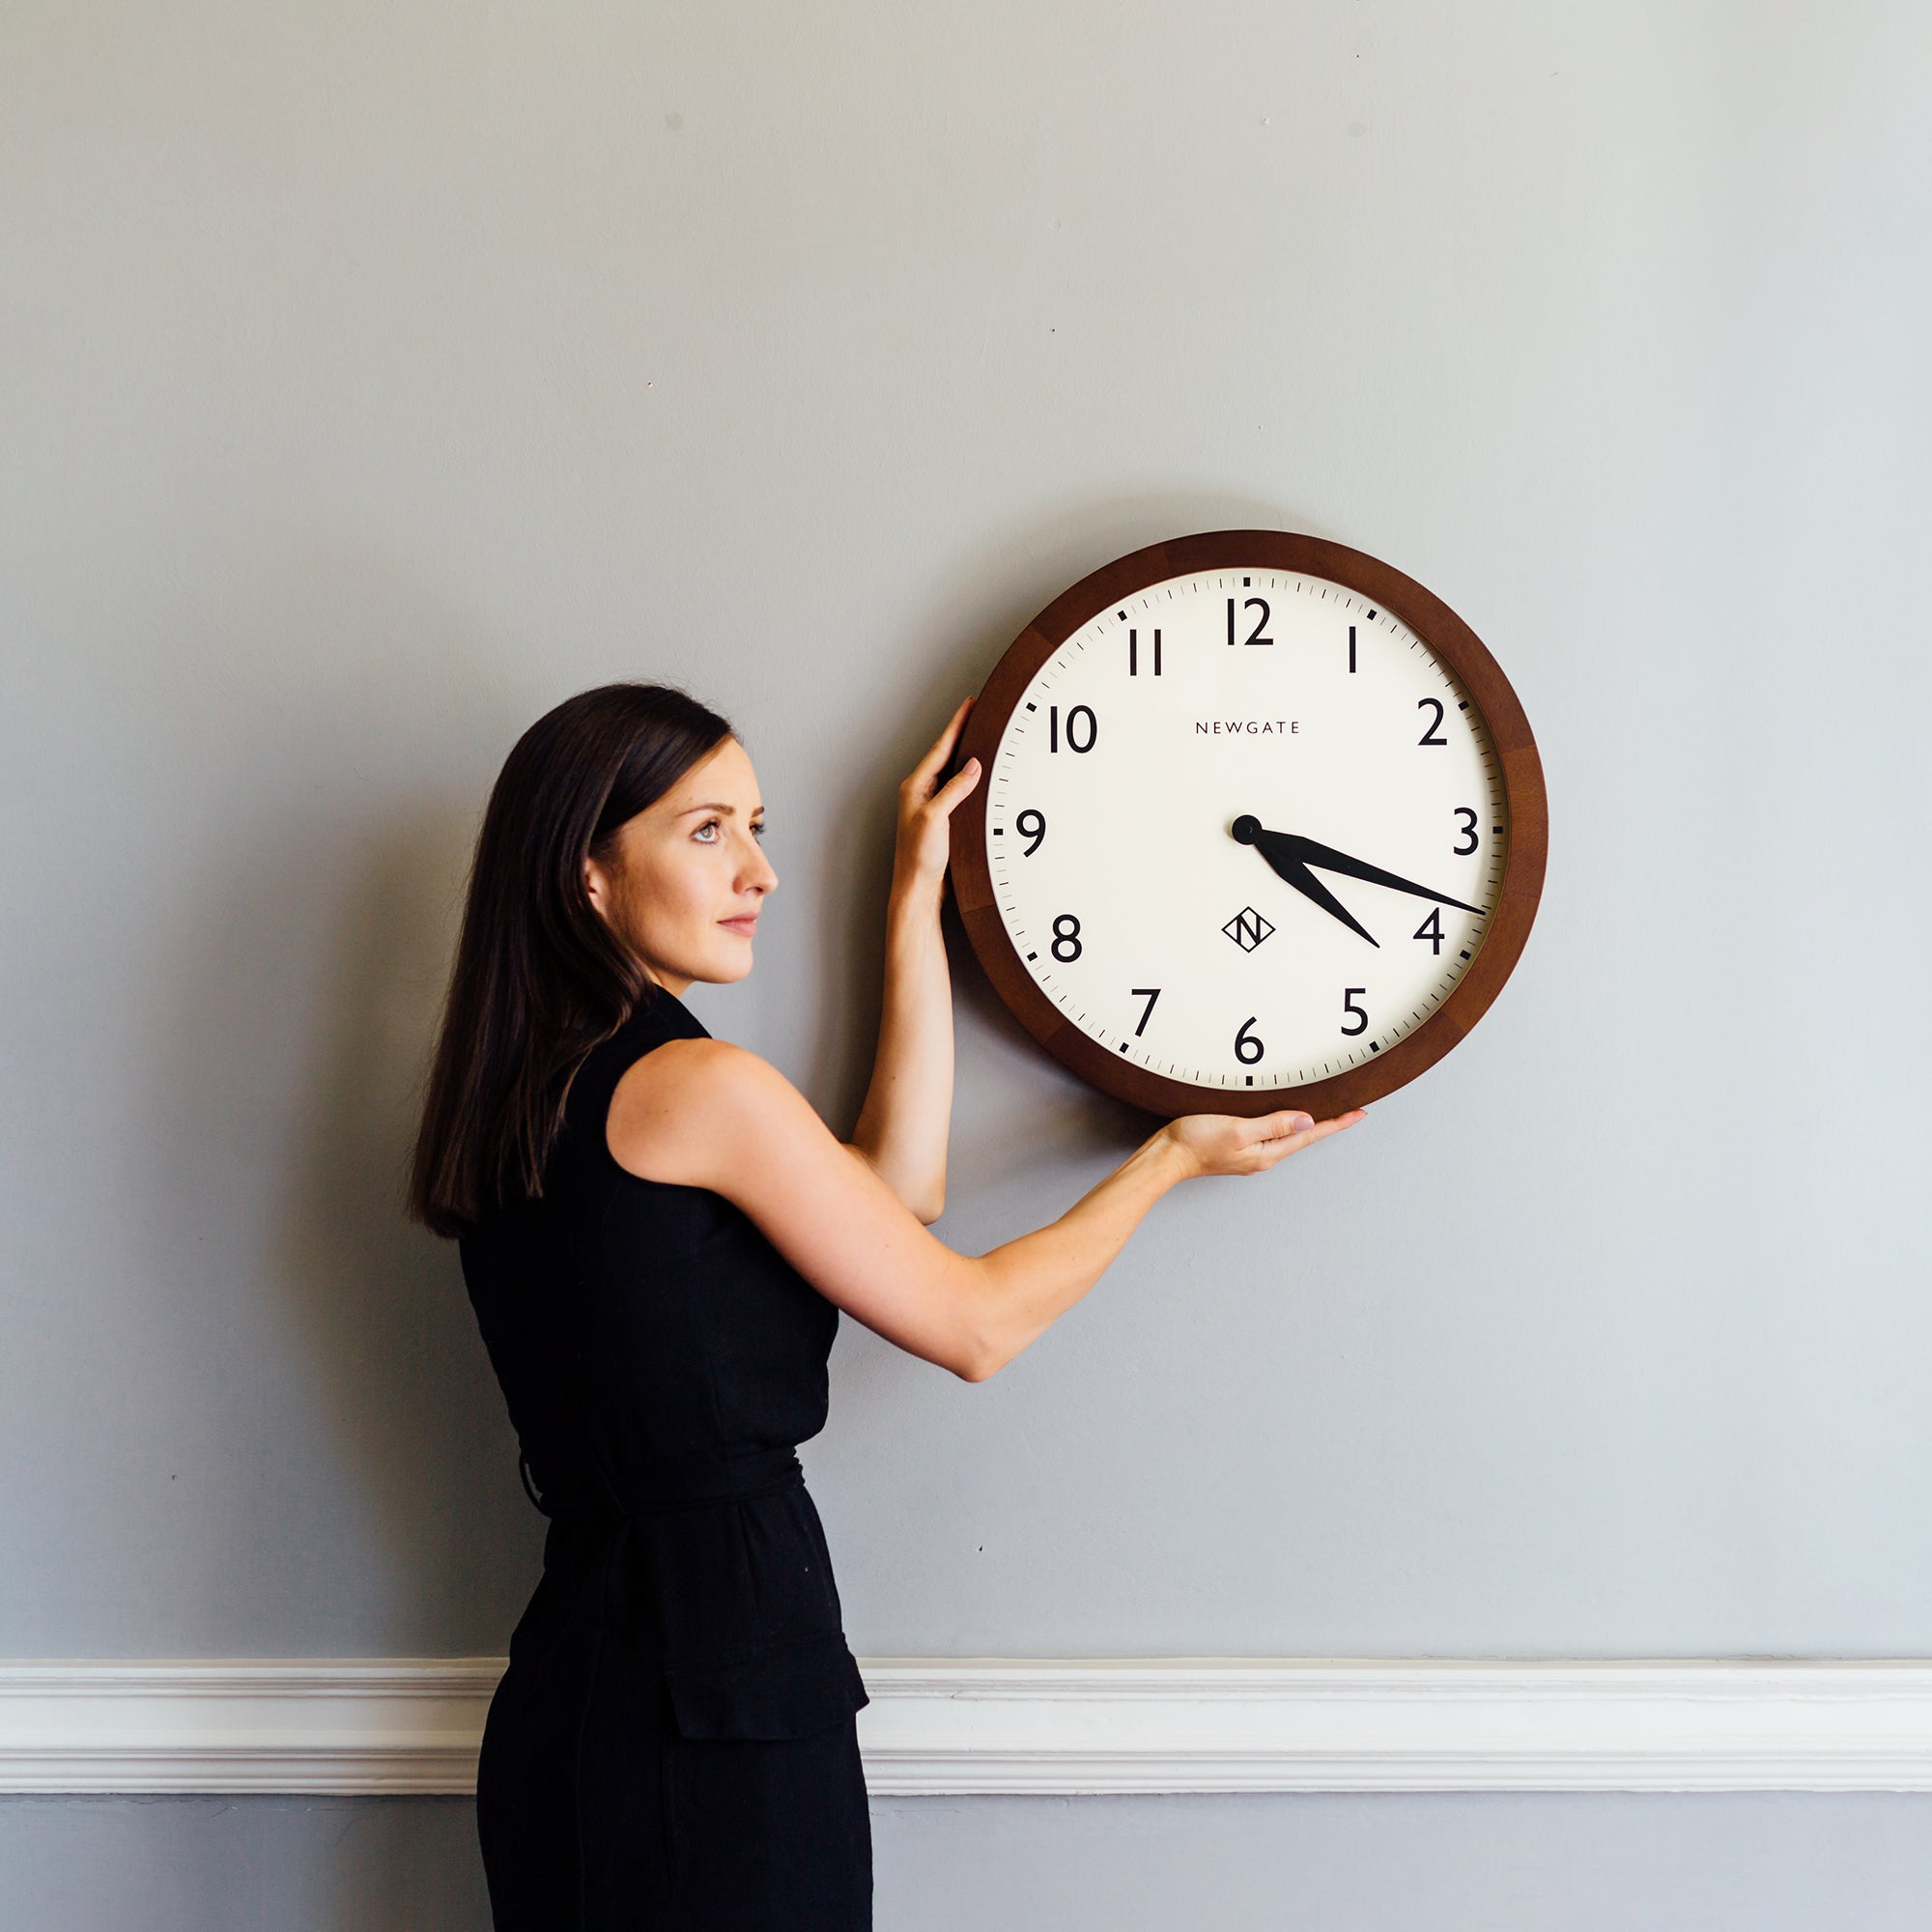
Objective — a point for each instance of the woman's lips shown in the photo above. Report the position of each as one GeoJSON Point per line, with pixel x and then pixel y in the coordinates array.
{"type": "Point", "coordinates": [746, 926]}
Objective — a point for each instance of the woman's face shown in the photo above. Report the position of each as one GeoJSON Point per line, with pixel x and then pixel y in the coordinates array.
{"type": "Point", "coordinates": [685, 884]}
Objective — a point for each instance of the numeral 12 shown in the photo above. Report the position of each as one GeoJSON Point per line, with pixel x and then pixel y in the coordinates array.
{"type": "Point", "coordinates": [1261, 623]}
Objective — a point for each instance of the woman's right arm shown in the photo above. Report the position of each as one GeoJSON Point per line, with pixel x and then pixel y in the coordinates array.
{"type": "Point", "coordinates": [703, 1113]}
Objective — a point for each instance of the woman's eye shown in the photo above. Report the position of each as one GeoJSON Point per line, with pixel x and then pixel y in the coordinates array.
{"type": "Point", "coordinates": [709, 825]}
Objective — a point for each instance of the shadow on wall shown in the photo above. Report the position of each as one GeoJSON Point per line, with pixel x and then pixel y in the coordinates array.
{"type": "Point", "coordinates": [383, 1300]}
{"type": "Point", "coordinates": [357, 1490]}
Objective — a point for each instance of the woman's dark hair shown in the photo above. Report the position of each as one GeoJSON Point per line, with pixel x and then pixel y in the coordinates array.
{"type": "Point", "coordinates": [539, 978]}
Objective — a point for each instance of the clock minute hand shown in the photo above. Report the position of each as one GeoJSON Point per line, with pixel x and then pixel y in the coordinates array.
{"type": "Point", "coordinates": [1277, 848]}
{"type": "Point", "coordinates": [1332, 861]}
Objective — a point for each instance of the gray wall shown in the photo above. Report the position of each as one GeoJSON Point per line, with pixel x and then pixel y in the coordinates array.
{"type": "Point", "coordinates": [374, 376]}
{"type": "Point", "coordinates": [1242, 1863]}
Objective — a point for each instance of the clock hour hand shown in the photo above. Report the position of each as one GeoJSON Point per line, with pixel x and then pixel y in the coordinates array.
{"type": "Point", "coordinates": [1310, 887]}
{"type": "Point", "coordinates": [1332, 861]}
{"type": "Point", "coordinates": [1277, 848]}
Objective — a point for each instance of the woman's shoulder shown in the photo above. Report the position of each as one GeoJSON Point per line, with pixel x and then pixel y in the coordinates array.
{"type": "Point", "coordinates": [691, 1110]}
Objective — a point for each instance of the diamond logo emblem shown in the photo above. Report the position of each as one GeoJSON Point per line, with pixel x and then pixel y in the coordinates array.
{"type": "Point", "coordinates": [1247, 928]}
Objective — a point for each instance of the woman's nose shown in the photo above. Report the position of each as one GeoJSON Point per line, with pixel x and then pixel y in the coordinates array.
{"type": "Point", "coordinates": [758, 875]}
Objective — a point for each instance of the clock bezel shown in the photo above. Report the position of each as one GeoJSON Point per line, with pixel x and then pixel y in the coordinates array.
{"type": "Point", "coordinates": [1446, 634]}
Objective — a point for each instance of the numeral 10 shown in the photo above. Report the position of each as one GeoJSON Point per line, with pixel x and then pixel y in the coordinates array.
{"type": "Point", "coordinates": [1074, 718]}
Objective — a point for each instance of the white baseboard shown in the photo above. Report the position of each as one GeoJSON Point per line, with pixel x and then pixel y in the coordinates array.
{"type": "Point", "coordinates": [379, 1726]}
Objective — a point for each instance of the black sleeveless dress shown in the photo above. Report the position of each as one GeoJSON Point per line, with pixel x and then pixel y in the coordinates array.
{"type": "Point", "coordinates": [674, 1742]}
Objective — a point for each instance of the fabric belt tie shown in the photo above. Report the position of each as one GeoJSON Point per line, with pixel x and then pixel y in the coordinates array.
{"type": "Point", "coordinates": [674, 1485]}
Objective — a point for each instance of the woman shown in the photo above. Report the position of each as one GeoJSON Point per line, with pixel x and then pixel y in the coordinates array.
{"type": "Point", "coordinates": [658, 1233]}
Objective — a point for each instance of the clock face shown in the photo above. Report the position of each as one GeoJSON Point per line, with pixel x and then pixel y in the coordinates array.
{"type": "Point", "coordinates": [1244, 829]}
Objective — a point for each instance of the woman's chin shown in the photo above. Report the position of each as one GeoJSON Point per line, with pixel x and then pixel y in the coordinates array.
{"type": "Point", "coordinates": [732, 963]}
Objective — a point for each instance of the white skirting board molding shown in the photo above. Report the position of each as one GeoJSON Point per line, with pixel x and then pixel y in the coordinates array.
{"type": "Point", "coordinates": [949, 1725]}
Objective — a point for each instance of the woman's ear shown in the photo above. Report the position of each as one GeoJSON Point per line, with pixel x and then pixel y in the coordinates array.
{"type": "Point", "coordinates": [597, 889]}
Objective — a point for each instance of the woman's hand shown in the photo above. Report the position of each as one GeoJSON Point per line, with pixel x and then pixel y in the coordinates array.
{"type": "Point", "coordinates": [926, 833]}
{"type": "Point", "coordinates": [1228, 1144]}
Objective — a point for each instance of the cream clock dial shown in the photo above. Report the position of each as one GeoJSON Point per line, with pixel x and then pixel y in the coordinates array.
{"type": "Point", "coordinates": [1248, 826]}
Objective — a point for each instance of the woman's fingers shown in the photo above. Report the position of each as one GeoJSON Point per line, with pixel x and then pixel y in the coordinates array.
{"type": "Point", "coordinates": [1288, 1132]}
{"type": "Point", "coordinates": [955, 788]}
{"type": "Point", "coordinates": [928, 770]}
{"type": "Point", "coordinates": [926, 812]}
{"type": "Point", "coordinates": [1320, 1130]}
{"type": "Point", "coordinates": [1230, 1144]}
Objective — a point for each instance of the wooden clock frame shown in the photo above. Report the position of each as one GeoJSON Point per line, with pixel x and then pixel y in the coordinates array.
{"type": "Point", "coordinates": [1439, 627]}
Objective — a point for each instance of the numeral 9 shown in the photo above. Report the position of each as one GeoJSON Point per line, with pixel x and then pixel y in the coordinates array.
{"type": "Point", "coordinates": [1036, 831]}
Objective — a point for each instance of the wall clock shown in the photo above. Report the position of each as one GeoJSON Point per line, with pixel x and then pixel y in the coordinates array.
{"type": "Point", "coordinates": [1262, 825]}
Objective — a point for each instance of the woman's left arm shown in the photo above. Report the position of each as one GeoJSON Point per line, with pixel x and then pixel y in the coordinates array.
{"type": "Point", "coordinates": [902, 1126]}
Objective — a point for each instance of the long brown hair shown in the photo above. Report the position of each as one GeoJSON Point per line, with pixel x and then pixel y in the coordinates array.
{"type": "Point", "coordinates": [539, 978]}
